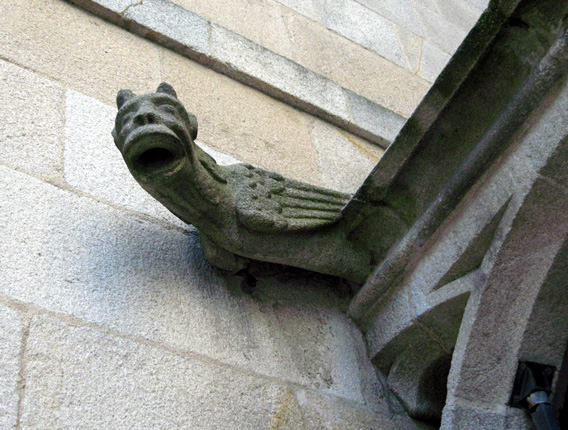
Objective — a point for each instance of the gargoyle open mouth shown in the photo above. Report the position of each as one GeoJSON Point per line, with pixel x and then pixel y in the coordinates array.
{"type": "Point", "coordinates": [153, 148]}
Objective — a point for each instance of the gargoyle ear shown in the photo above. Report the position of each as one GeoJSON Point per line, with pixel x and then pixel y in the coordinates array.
{"type": "Point", "coordinates": [193, 126]}
{"type": "Point", "coordinates": [166, 88]}
{"type": "Point", "coordinates": [123, 96]}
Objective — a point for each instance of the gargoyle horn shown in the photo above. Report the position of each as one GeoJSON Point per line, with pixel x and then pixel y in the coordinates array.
{"type": "Point", "coordinates": [166, 88]}
{"type": "Point", "coordinates": [123, 96]}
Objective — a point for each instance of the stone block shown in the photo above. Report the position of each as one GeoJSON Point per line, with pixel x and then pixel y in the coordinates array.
{"type": "Point", "coordinates": [463, 415]}
{"type": "Point", "coordinates": [373, 117]}
{"type": "Point", "coordinates": [320, 50]}
{"type": "Point", "coordinates": [71, 255]}
{"type": "Point", "coordinates": [86, 378]}
{"type": "Point", "coordinates": [412, 47]}
{"type": "Point", "coordinates": [243, 122]}
{"type": "Point", "coordinates": [11, 335]}
{"type": "Point", "coordinates": [399, 12]}
{"type": "Point", "coordinates": [31, 130]}
{"type": "Point", "coordinates": [325, 412]}
{"type": "Point", "coordinates": [171, 21]}
{"type": "Point", "coordinates": [363, 26]}
{"type": "Point", "coordinates": [431, 4]}
{"type": "Point", "coordinates": [460, 13]}
{"type": "Point", "coordinates": [95, 166]}
{"type": "Point", "coordinates": [79, 377]}
{"type": "Point", "coordinates": [439, 31]}
{"type": "Point", "coordinates": [432, 61]}
{"type": "Point", "coordinates": [262, 22]}
{"type": "Point", "coordinates": [343, 159]}
{"type": "Point", "coordinates": [480, 4]}
{"type": "Point", "coordinates": [240, 54]}
{"type": "Point", "coordinates": [303, 7]}
{"type": "Point", "coordinates": [354, 67]}
{"type": "Point", "coordinates": [77, 49]}
{"type": "Point", "coordinates": [251, 62]}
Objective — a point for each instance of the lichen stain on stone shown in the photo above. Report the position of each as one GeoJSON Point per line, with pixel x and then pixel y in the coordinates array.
{"type": "Point", "coordinates": [282, 408]}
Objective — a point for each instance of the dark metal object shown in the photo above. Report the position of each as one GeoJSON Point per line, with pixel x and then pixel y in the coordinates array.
{"type": "Point", "coordinates": [533, 384]}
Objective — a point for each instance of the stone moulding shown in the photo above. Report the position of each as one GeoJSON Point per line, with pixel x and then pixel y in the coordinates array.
{"type": "Point", "coordinates": [538, 81]}
{"type": "Point", "coordinates": [448, 340]}
{"type": "Point", "coordinates": [241, 59]}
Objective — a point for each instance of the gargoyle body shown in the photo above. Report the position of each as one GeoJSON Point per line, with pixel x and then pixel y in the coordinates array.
{"type": "Point", "coordinates": [242, 212]}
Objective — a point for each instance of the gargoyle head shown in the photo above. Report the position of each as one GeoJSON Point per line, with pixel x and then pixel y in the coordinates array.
{"type": "Point", "coordinates": [154, 132]}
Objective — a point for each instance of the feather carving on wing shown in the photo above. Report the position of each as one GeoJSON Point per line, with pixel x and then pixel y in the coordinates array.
{"type": "Point", "coordinates": [266, 201]}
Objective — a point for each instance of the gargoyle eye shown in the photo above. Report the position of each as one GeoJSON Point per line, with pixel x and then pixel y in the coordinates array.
{"type": "Point", "coordinates": [168, 109]}
{"type": "Point", "coordinates": [127, 117]}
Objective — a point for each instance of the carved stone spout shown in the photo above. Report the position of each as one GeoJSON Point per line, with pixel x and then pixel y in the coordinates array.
{"type": "Point", "coordinates": [241, 211]}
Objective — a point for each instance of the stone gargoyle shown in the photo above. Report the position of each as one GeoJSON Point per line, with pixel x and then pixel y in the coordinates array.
{"type": "Point", "coordinates": [242, 212]}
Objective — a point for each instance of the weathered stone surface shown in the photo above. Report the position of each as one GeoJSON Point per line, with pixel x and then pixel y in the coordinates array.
{"type": "Point", "coordinates": [399, 12]}
{"type": "Point", "coordinates": [439, 31]}
{"type": "Point", "coordinates": [344, 160]}
{"type": "Point", "coordinates": [423, 57]}
{"type": "Point", "coordinates": [411, 45]}
{"type": "Point", "coordinates": [322, 51]}
{"type": "Point", "coordinates": [43, 36]}
{"type": "Point", "coordinates": [546, 332]}
{"type": "Point", "coordinates": [431, 4]}
{"type": "Point", "coordinates": [557, 169]}
{"type": "Point", "coordinates": [432, 61]}
{"type": "Point", "coordinates": [31, 130]}
{"type": "Point", "coordinates": [220, 157]}
{"type": "Point", "coordinates": [472, 417]}
{"type": "Point", "coordinates": [174, 22]}
{"type": "Point", "coordinates": [306, 8]}
{"type": "Point", "coordinates": [464, 415]}
{"type": "Point", "coordinates": [317, 93]}
{"type": "Point", "coordinates": [485, 361]}
{"type": "Point", "coordinates": [245, 123]}
{"type": "Point", "coordinates": [363, 26]}
{"type": "Point", "coordinates": [260, 21]}
{"type": "Point", "coordinates": [480, 4]}
{"type": "Point", "coordinates": [371, 116]}
{"type": "Point", "coordinates": [74, 256]}
{"type": "Point", "coordinates": [273, 70]}
{"type": "Point", "coordinates": [460, 13]}
{"type": "Point", "coordinates": [544, 144]}
{"type": "Point", "coordinates": [329, 413]}
{"type": "Point", "coordinates": [75, 376]}
{"type": "Point", "coordinates": [513, 177]}
{"type": "Point", "coordinates": [517, 258]}
{"type": "Point", "coordinates": [354, 67]}
{"type": "Point", "coordinates": [11, 335]}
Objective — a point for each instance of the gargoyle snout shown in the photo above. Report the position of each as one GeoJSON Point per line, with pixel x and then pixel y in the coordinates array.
{"type": "Point", "coordinates": [145, 117]}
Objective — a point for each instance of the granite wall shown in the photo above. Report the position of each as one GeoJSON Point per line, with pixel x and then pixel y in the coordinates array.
{"type": "Point", "coordinates": [110, 316]}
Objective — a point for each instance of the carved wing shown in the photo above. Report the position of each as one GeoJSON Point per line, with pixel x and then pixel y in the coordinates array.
{"type": "Point", "coordinates": [266, 201]}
